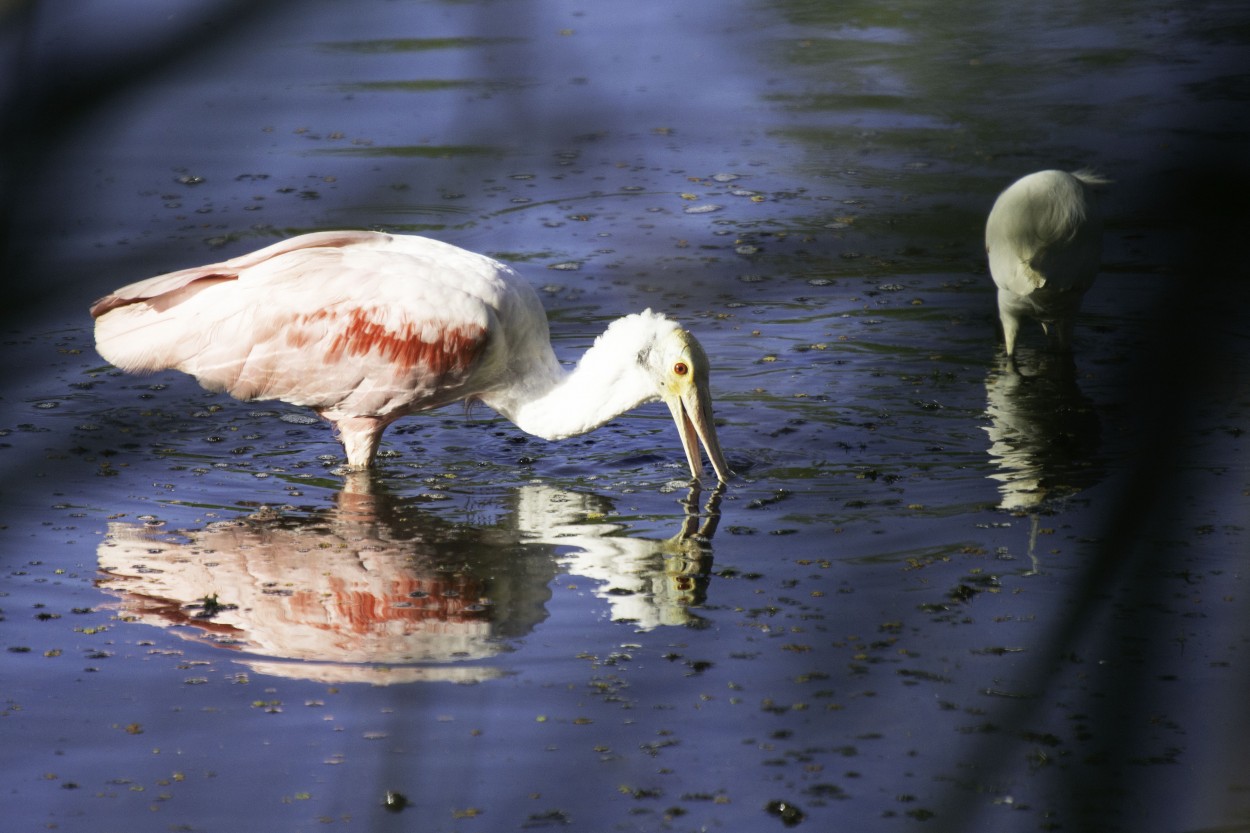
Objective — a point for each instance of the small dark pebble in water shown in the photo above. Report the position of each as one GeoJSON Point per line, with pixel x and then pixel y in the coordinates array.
{"type": "Point", "coordinates": [547, 819]}
{"type": "Point", "coordinates": [789, 814]}
{"type": "Point", "coordinates": [963, 593]}
{"type": "Point", "coordinates": [394, 801]}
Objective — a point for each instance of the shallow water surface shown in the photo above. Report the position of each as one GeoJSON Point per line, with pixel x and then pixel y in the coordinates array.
{"type": "Point", "coordinates": [936, 595]}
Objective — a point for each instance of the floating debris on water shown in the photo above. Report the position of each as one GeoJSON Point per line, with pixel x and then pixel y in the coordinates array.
{"type": "Point", "coordinates": [789, 814]}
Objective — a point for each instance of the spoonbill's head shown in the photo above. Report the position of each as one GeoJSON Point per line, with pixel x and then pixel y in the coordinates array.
{"type": "Point", "coordinates": [679, 368]}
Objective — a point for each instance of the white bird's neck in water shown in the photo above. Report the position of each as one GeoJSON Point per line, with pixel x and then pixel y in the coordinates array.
{"type": "Point", "coordinates": [608, 381]}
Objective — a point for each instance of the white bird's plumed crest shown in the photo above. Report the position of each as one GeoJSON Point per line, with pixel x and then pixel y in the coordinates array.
{"type": "Point", "coordinates": [640, 330]}
{"type": "Point", "coordinates": [1091, 177]}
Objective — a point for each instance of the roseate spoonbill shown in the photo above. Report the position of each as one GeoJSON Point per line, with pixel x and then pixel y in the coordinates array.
{"type": "Point", "coordinates": [1044, 241]}
{"type": "Point", "coordinates": [365, 328]}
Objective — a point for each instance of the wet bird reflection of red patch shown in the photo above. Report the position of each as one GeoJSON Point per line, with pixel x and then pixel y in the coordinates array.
{"type": "Point", "coordinates": [374, 589]}
{"type": "Point", "coordinates": [439, 604]}
{"type": "Point", "coordinates": [343, 592]}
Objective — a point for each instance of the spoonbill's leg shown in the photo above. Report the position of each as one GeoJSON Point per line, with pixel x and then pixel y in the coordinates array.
{"type": "Point", "coordinates": [360, 436]}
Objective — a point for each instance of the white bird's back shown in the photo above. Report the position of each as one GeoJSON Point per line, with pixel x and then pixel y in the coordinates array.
{"type": "Point", "coordinates": [1043, 238]}
{"type": "Point", "coordinates": [1044, 230]}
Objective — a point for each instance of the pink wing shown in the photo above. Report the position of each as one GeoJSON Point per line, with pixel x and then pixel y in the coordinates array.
{"type": "Point", "coordinates": [172, 283]}
{"type": "Point", "coordinates": [348, 323]}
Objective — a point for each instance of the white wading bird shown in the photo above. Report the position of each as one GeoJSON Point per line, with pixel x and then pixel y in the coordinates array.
{"type": "Point", "coordinates": [1044, 241]}
{"type": "Point", "coordinates": [365, 328]}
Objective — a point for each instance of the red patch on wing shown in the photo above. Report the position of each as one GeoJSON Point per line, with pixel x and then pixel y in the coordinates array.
{"type": "Point", "coordinates": [451, 354]}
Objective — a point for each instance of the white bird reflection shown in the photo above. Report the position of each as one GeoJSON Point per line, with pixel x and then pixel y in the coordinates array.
{"type": "Point", "coordinates": [1044, 439]}
{"type": "Point", "coordinates": [1044, 435]}
{"type": "Point", "coordinates": [378, 589]}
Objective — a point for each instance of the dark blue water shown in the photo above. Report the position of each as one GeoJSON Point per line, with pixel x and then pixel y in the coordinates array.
{"type": "Point", "coordinates": [937, 596]}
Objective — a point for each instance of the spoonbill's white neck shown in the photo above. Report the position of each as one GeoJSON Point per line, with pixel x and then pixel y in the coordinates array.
{"type": "Point", "coordinates": [611, 378]}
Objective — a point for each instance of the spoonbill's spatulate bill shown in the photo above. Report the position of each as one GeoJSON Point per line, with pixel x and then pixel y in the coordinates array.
{"type": "Point", "coordinates": [1044, 241]}
{"type": "Point", "coordinates": [365, 328]}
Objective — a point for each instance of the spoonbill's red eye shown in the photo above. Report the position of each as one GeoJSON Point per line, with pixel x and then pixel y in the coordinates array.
{"type": "Point", "coordinates": [681, 368]}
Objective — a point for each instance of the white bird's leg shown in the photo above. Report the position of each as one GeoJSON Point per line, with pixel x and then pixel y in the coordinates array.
{"type": "Point", "coordinates": [1011, 328]}
{"type": "Point", "coordinates": [1060, 333]}
{"type": "Point", "coordinates": [360, 437]}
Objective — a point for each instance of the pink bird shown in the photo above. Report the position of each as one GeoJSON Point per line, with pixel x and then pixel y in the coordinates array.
{"type": "Point", "coordinates": [365, 328]}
